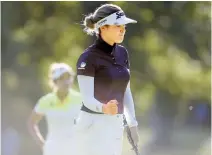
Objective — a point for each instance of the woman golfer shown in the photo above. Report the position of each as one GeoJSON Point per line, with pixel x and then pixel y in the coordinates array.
{"type": "Point", "coordinates": [60, 107]}
{"type": "Point", "coordinates": [103, 75]}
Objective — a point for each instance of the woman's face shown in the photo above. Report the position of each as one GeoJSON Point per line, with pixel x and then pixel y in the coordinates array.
{"type": "Point", "coordinates": [64, 82]}
{"type": "Point", "coordinates": [113, 33]}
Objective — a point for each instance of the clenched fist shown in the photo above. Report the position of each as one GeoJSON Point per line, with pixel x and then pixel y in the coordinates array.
{"type": "Point", "coordinates": [110, 108]}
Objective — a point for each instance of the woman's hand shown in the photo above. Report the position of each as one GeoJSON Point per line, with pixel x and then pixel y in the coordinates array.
{"type": "Point", "coordinates": [40, 143]}
{"type": "Point", "coordinates": [111, 107]}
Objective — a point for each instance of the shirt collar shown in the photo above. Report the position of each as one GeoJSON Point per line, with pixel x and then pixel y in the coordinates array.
{"type": "Point", "coordinates": [66, 100]}
{"type": "Point", "coordinates": [103, 46]}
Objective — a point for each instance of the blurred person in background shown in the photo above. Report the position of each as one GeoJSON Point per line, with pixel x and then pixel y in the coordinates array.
{"type": "Point", "coordinates": [103, 73]}
{"type": "Point", "coordinates": [60, 107]}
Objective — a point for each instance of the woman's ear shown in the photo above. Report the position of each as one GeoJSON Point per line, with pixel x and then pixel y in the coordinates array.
{"type": "Point", "coordinates": [103, 28]}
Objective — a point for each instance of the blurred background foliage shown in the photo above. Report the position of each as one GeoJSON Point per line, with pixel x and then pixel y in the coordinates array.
{"type": "Point", "coordinates": [169, 49]}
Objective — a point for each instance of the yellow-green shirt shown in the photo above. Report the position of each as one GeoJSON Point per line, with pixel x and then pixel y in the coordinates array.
{"type": "Point", "coordinates": [59, 116]}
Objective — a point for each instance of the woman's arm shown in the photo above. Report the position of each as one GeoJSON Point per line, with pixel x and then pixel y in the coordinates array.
{"type": "Point", "coordinates": [129, 109]}
{"type": "Point", "coordinates": [33, 121]}
{"type": "Point", "coordinates": [86, 85]}
{"type": "Point", "coordinates": [35, 117]}
{"type": "Point", "coordinates": [129, 112]}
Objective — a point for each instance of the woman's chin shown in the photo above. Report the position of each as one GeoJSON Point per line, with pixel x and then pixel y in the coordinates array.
{"type": "Point", "coordinates": [119, 41]}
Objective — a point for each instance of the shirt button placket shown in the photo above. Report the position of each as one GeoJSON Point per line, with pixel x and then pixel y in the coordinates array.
{"type": "Point", "coordinates": [113, 58]}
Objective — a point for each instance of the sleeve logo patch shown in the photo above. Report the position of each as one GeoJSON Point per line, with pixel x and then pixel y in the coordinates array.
{"type": "Point", "coordinates": [83, 64]}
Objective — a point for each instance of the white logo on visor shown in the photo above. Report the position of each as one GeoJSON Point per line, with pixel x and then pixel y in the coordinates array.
{"type": "Point", "coordinates": [102, 22]}
{"type": "Point", "coordinates": [83, 64]}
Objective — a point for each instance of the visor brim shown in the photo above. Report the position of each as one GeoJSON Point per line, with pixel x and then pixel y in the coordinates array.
{"type": "Point", "coordinates": [125, 21]}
